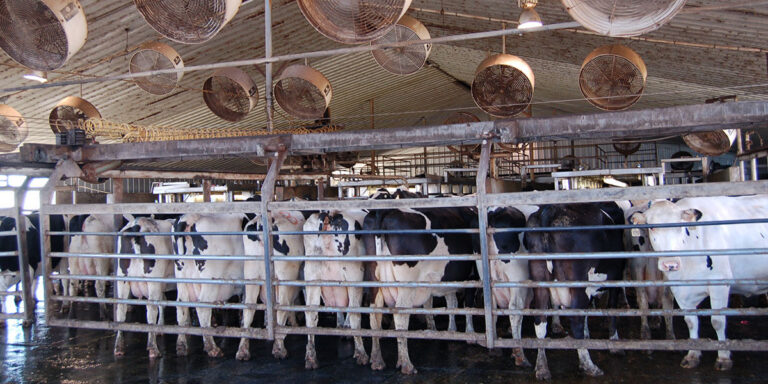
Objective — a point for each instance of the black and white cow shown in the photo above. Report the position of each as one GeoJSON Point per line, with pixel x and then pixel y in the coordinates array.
{"type": "Point", "coordinates": [415, 271]}
{"type": "Point", "coordinates": [282, 245]}
{"type": "Point", "coordinates": [645, 269]}
{"type": "Point", "coordinates": [152, 268]}
{"type": "Point", "coordinates": [186, 242]}
{"type": "Point", "coordinates": [87, 243]}
{"type": "Point", "coordinates": [505, 243]}
{"type": "Point", "coordinates": [711, 266]}
{"type": "Point", "coordinates": [569, 215]}
{"type": "Point", "coordinates": [334, 245]}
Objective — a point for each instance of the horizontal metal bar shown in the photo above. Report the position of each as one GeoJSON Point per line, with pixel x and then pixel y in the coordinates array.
{"type": "Point", "coordinates": [626, 284]}
{"type": "Point", "coordinates": [659, 345]}
{"type": "Point", "coordinates": [383, 310]}
{"type": "Point", "coordinates": [9, 254]}
{"type": "Point", "coordinates": [11, 293]}
{"type": "Point", "coordinates": [421, 334]}
{"type": "Point", "coordinates": [6, 316]}
{"type": "Point", "coordinates": [8, 233]}
{"type": "Point", "coordinates": [463, 201]}
{"type": "Point", "coordinates": [633, 312]}
{"type": "Point", "coordinates": [253, 333]}
{"type": "Point", "coordinates": [633, 255]}
{"type": "Point", "coordinates": [627, 226]}
{"type": "Point", "coordinates": [381, 284]}
{"type": "Point", "coordinates": [156, 257]}
{"type": "Point", "coordinates": [379, 258]}
{"type": "Point", "coordinates": [152, 208]}
{"type": "Point", "coordinates": [164, 303]}
{"type": "Point", "coordinates": [159, 279]}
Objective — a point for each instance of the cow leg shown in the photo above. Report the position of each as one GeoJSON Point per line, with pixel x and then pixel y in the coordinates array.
{"type": "Point", "coordinates": [340, 320]}
{"type": "Point", "coordinates": [182, 319]}
{"type": "Point", "coordinates": [557, 326]}
{"type": "Point", "coordinates": [403, 359]}
{"type": "Point", "coordinates": [719, 299]}
{"type": "Point", "coordinates": [123, 291]}
{"type": "Point", "coordinates": [578, 325]}
{"type": "Point", "coordinates": [312, 297]}
{"type": "Point", "coordinates": [667, 303]}
{"type": "Point", "coordinates": [516, 327]}
{"type": "Point", "coordinates": [355, 320]}
{"type": "Point", "coordinates": [285, 296]}
{"type": "Point", "coordinates": [451, 303]}
{"type": "Point", "coordinates": [642, 303]}
{"type": "Point", "coordinates": [613, 302]}
{"type": "Point", "coordinates": [209, 344]}
{"type": "Point", "coordinates": [153, 317]}
{"type": "Point", "coordinates": [688, 300]}
{"type": "Point", "coordinates": [430, 318]}
{"type": "Point", "coordinates": [102, 269]}
{"type": "Point", "coordinates": [251, 297]}
{"type": "Point", "coordinates": [377, 361]}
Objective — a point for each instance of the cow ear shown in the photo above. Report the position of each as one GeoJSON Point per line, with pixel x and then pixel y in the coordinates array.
{"type": "Point", "coordinates": [637, 218]}
{"type": "Point", "coordinates": [691, 215]}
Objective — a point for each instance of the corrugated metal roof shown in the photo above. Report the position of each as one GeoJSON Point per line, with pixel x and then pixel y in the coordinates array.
{"type": "Point", "coordinates": [677, 74]}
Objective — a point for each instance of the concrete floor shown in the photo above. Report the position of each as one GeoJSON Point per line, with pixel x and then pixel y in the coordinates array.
{"type": "Point", "coordinates": [55, 355]}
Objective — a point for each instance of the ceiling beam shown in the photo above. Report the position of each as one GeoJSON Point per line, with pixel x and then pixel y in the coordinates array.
{"type": "Point", "coordinates": [641, 124]}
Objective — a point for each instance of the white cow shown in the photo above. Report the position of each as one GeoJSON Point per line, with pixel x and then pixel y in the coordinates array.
{"type": "Point", "coordinates": [282, 245]}
{"type": "Point", "coordinates": [144, 245]}
{"type": "Point", "coordinates": [334, 245]}
{"type": "Point", "coordinates": [91, 244]}
{"type": "Point", "coordinates": [187, 243]}
{"type": "Point", "coordinates": [645, 269]}
{"type": "Point", "coordinates": [710, 266]}
{"type": "Point", "coordinates": [504, 243]}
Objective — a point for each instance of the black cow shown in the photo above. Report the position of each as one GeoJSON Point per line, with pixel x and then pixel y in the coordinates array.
{"type": "Point", "coordinates": [569, 215]}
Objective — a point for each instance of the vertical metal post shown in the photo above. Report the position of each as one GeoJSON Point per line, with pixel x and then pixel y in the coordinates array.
{"type": "Point", "coordinates": [118, 196]}
{"type": "Point", "coordinates": [46, 197]}
{"type": "Point", "coordinates": [207, 191]}
{"type": "Point", "coordinates": [739, 151]}
{"type": "Point", "coordinates": [482, 214]}
{"type": "Point", "coordinates": [753, 169]}
{"type": "Point", "coordinates": [268, 70]}
{"type": "Point", "coordinates": [23, 255]}
{"type": "Point", "coordinates": [267, 193]}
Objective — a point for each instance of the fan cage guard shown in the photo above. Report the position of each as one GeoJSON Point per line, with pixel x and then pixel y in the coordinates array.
{"type": "Point", "coordinates": [353, 22]}
{"type": "Point", "coordinates": [315, 86]}
{"type": "Point", "coordinates": [623, 18]}
{"type": "Point", "coordinates": [42, 34]}
{"type": "Point", "coordinates": [13, 128]}
{"type": "Point", "coordinates": [461, 118]}
{"type": "Point", "coordinates": [626, 149]}
{"type": "Point", "coordinates": [492, 96]}
{"type": "Point", "coordinates": [60, 124]}
{"type": "Point", "coordinates": [230, 94]}
{"type": "Point", "coordinates": [713, 143]}
{"type": "Point", "coordinates": [162, 56]}
{"type": "Point", "coordinates": [393, 59]}
{"type": "Point", "coordinates": [614, 56]}
{"type": "Point", "coordinates": [188, 21]}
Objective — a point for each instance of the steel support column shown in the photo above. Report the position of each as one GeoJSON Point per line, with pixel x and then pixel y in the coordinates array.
{"type": "Point", "coordinates": [482, 215]}
{"type": "Point", "coordinates": [267, 194]}
{"type": "Point", "coordinates": [23, 255]}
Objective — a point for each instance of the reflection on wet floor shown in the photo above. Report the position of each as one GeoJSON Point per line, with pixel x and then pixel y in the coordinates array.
{"type": "Point", "coordinates": [50, 355]}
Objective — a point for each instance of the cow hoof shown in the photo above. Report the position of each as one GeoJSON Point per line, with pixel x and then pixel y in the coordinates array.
{"type": "Point", "coordinates": [310, 358]}
{"type": "Point", "coordinates": [310, 364]}
{"type": "Point", "coordinates": [723, 364]}
{"type": "Point", "coordinates": [408, 369]}
{"type": "Point", "coordinates": [593, 371]}
{"type": "Point", "coordinates": [243, 355]}
{"type": "Point", "coordinates": [215, 352]}
{"type": "Point", "coordinates": [361, 357]}
{"type": "Point", "coordinates": [279, 353]}
{"type": "Point", "coordinates": [543, 375]}
{"type": "Point", "coordinates": [119, 353]}
{"type": "Point", "coordinates": [558, 330]}
{"type": "Point", "coordinates": [520, 359]}
{"type": "Point", "coordinates": [154, 353]}
{"type": "Point", "coordinates": [378, 364]}
{"type": "Point", "coordinates": [690, 362]}
{"type": "Point", "coordinates": [181, 349]}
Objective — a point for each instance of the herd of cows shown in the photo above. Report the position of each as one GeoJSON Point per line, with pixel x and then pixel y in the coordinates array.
{"type": "Point", "coordinates": [192, 236]}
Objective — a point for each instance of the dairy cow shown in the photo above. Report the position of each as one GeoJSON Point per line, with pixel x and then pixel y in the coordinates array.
{"type": "Point", "coordinates": [709, 266]}
{"type": "Point", "coordinates": [505, 243]}
{"type": "Point", "coordinates": [282, 245]}
{"type": "Point", "coordinates": [340, 244]}
{"type": "Point", "coordinates": [414, 271]}
{"type": "Point", "coordinates": [87, 243]}
{"type": "Point", "coordinates": [187, 242]}
{"type": "Point", "coordinates": [568, 215]}
{"type": "Point", "coordinates": [151, 268]}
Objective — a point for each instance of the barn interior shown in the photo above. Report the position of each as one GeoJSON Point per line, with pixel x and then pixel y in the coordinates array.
{"type": "Point", "coordinates": [135, 116]}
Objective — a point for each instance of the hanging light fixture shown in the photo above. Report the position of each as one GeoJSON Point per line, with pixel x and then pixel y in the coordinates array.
{"type": "Point", "coordinates": [529, 18]}
{"type": "Point", "coordinates": [38, 76]}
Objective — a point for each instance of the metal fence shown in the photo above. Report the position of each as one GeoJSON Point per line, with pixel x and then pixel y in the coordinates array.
{"type": "Point", "coordinates": [489, 312]}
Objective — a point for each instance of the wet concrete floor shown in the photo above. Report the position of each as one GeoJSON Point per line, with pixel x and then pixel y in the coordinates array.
{"type": "Point", "coordinates": [55, 355]}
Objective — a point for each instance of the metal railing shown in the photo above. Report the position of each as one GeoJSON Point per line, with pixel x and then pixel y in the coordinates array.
{"type": "Point", "coordinates": [26, 311]}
